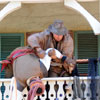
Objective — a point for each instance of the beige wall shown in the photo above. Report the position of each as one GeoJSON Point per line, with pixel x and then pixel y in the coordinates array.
{"type": "Point", "coordinates": [37, 17]}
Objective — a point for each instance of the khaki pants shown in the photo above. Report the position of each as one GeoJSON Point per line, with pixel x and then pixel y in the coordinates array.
{"type": "Point", "coordinates": [56, 71]}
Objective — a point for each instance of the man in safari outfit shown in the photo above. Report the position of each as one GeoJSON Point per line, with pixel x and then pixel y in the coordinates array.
{"type": "Point", "coordinates": [55, 36]}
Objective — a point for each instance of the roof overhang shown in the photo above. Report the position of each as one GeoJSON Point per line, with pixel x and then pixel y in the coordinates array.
{"type": "Point", "coordinates": [41, 1]}
{"type": "Point", "coordinates": [86, 0]}
{"type": "Point", "coordinates": [16, 4]}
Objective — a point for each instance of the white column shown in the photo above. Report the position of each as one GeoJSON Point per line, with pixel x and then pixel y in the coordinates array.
{"type": "Point", "coordinates": [95, 25]}
{"type": "Point", "coordinates": [9, 8]}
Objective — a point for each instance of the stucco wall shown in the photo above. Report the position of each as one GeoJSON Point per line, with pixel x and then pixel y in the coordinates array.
{"type": "Point", "coordinates": [37, 17]}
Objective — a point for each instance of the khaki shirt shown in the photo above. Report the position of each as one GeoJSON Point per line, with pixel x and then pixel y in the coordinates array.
{"type": "Point", "coordinates": [45, 40]}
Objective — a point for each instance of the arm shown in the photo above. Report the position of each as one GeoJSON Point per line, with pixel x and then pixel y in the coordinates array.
{"type": "Point", "coordinates": [68, 47]}
{"type": "Point", "coordinates": [36, 41]}
{"type": "Point", "coordinates": [69, 63]}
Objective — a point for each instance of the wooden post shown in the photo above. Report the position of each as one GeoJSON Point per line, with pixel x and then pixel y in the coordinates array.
{"type": "Point", "coordinates": [82, 61]}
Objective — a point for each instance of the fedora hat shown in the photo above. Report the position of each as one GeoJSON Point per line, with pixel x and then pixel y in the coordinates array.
{"type": "Point", "coordinates": [58, 28]}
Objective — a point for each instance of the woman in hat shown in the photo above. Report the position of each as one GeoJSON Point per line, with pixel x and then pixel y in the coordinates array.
{"type": "Point", "coordinates": [55, 36]}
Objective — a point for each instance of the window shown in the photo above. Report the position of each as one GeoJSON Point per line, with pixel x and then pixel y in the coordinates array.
{"type": "Point", "coordinates": [8, 42]}
{"type": "Point", "coordinates": [86, 46]}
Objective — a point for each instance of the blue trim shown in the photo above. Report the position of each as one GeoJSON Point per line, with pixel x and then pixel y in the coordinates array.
{"type": "Point", "coordinates": [76, 45]}
{"type": "Point", "coordinates": [0, 53]}
{"type": "Point", "coordinates": [99, 53]}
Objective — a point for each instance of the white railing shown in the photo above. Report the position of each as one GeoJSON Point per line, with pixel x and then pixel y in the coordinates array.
{"type": "Point", "coordinates": [64, 85]}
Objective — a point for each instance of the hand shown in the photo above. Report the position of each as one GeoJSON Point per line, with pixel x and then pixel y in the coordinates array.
{"type": "Point", "coordinates": [40, 53]}
{"type": "Point", "coordinates": [69, 64]}
{"type": "Point", "coordinates": [71, 61]}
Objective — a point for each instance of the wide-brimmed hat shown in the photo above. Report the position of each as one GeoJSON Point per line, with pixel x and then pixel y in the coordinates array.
{"type": "Point", "coordinates": [58, 28]}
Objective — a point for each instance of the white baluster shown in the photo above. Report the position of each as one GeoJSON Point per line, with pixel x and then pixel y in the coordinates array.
{"type": "Point", "coordinates": [60, 90]}
{"type": "Point", "coordinates": [52, 91]}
